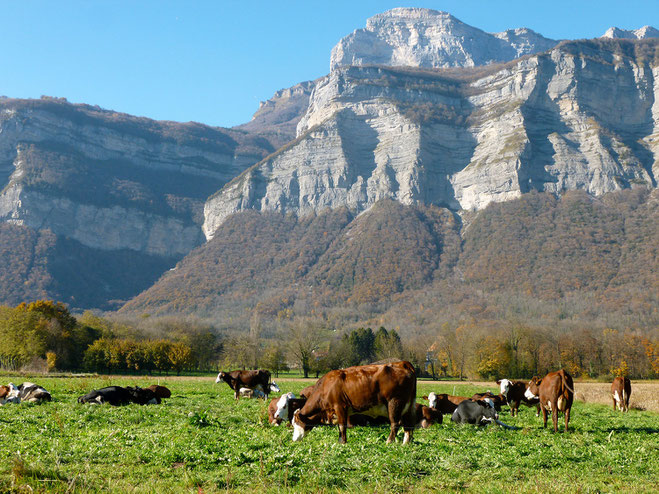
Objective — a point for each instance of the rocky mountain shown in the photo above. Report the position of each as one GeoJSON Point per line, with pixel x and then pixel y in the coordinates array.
{"type": "Point", "coordinates": [111, 182]}
{"type": "Point", "coordinates": [641, 33]}
{"type": "Point", "coordinates": [428, 38]}
{"type": "Point", "coordinates": [580, 116]}
{"type": "Point", "coordinates": [280, 115]}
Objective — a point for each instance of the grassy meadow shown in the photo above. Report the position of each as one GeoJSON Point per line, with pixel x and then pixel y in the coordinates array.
{"type": "Point", "coordinates": [201, 440]}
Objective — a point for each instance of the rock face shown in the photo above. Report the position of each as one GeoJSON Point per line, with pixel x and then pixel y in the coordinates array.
{"type": "Point", "coordinates": [642, 33]}
{"type": "Point", "coordinates": [112, 181]}
{"type": "Point", "coordinates": [281, 113]}
{"type": "Point", "coordinates": [428, 38]}
{"type": "Point", "coordinates": [581, 116]}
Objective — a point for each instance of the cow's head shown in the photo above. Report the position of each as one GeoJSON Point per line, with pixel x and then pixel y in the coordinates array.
{"type": "Point", "coordinates": [433, 400]}
{"type": "Point", "coordinates": [4, 391]}
{"type": "Point", "coordinates": [142, 396]}
{"type": "Point", "coordinates": [533, 388]}
{"type": "Point", "coordinates": [299, 426]}
{"type": "Point", "coordinates": [282, 406]}
{"type": "Point", "coordinates": [489, 411]}
{"type": "Point", "coordinates": [222, 376]}
{"type": "Point", "coordinates": [504, 385]}
{"type": "Point", "coordinates": [274, 388]}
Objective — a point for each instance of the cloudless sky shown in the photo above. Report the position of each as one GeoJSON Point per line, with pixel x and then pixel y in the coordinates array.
{"type": "Point", "coordinates": [213, 61]}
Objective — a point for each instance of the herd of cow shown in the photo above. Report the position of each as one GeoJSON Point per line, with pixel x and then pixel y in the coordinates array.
{"type": "Point", "coordinates": [386, 394]}
{"type": "Point", "coordinates": [363, 395]}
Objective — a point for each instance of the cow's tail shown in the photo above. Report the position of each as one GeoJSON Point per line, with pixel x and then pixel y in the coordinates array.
{"type": "Point", "coordinates": [565, 383]}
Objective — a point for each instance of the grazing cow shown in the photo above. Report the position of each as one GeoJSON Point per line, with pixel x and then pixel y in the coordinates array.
{"type": "Point", "coordinates": [513, 392]}
{"type": "Point", "coordinates": [427, 416]}
{"type": "Point", "coordinates": [306, 392]}
{"type": "Point", "coordinates": [281, 409]}
{"type": "Point", "coordinates": [160, 391]}
{"type": "Point", "coordinates": [374, 390]}
{"type": "Point", "coordinates": [252, 379]}
{"type": "Point", "coordinates": [479, 412]}
{"type": "Point", "coordinates": [30, 392]}
{"type": "Point", "coordinates": [621, 390]}
{"type": "Point", "coordinates": [497, 400]}
{"type": "Point", "coordinates": [443, 402]}
{"type": "Point", "coordinates": [116, 395]}
{"type": "Point", "coordinates": [556, 393]}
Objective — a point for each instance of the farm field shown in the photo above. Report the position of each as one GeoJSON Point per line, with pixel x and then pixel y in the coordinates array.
{"type": "Point", "coordinates": [202, 440]}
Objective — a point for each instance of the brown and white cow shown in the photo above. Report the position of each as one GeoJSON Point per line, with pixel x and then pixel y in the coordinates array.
{"type": "Point", "coordinates": [556, 394]}
{"type": "Point", "coordinates": [281, 409]}
{"type": "Point", "coordinates": [375, 390]}
{"type": "Point", "coordinates": [252, 379]}
{"type": "Point", "coordinates": [427, 416]}
{"type": "Point", "coordinates": [621, 390]}
{"type": "Point", "coordinates": [513, 392]}
{"type": "Point", "coordinates": [443, 402]}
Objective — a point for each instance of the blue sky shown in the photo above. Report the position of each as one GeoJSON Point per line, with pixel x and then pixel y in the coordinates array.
{"type": "Point", "coordinates": [213, 61]}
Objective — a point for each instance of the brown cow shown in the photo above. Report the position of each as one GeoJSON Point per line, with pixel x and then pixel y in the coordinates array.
{"type": "Point", "coordinates": [621, 390]}
{"type": "Point", "coordinates": [513, 392]}
{"type": "Point", "coordinates": [160, 391]}
{"type": "Point", "coordinates": [427, 416]}
{"type": "Point", "coordinates": [252, 379]}
{"type": "Point", "coordinates": [556, 393]}
{"type": "Point", "coordinates": [374, 390]}
{"type": "Point", "coordinates": [306, 392]}
{"type": "Point", "coordinates": [443, 402]}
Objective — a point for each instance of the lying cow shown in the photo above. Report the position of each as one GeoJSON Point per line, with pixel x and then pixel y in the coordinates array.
{"type": "Point", "coordinates": [257, 392]}
{"type": "Point", "coordinates": [444, 403]}
{"type": "Point", "coordinates": [556, 394]}
{"type": "Point", "coordinates": [621, 390]}
{"type": "Point", "coordinates": [497, 400]}
{"type": "Point", "coordinates": [117, 395]}
{"type": "Point", "coordinates": [11, 394]}
{"type": "Point", "coordinates": [375, 390]}
{"type": "Point", "coordinates": [282, 409]}
{"type": "Point", "coordinates": [427, 416]}
{"type": "Point", "coordinates": [479, 412]}
{"type": "Point", "coordinates": [252, 379]}
{"type": "Point", "coordinates": [4, 391]}
{"type": "Point", "coordinates": [160, 392]}
{"type": "Point", "coordinates": [513, 392]}
{"type": "Point", "coordinates": [33, 393]}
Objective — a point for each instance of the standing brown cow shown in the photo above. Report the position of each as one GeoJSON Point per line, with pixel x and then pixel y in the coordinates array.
{"type": "Point", "coordinates": [621, 390]}
{"type": "Point", "coordinates": [252, 379]}
{"type": "Point", "coordinates": [556, 393]}
{"type": "Point", "coordinates": [376, 390]}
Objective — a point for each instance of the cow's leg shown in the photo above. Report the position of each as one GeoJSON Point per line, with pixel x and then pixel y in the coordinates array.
{"type": "Point", "coordinates": [544, 416]}
{"type": "Point", "coordinates": [567, 418]}
{"type": "Point", "coordinates": [614, 403]}
{"type": "Point", "coordinates": [514, 408]}
{"type": "Point", "coordinates": [342, 421]}
{"type": "Point", "coordinates": [554, 415]}
{"type": "Point", "coordinates": [394, 410]}
{"type": "Point", "coordinates": [236, 393]}
{"type": "Point", "coordinates": [537, 410]}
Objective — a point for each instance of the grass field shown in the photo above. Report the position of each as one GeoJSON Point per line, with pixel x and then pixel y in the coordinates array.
{"type": "Point", "coordinates": [202, 440]}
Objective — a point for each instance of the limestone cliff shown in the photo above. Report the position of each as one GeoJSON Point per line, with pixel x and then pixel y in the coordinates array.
{"type": "Point", "coordinates": [428, 38]}
{"type": "Point", "coordinates": [583, 115]}
{"type": "Point", "coordinates": [113, 181]}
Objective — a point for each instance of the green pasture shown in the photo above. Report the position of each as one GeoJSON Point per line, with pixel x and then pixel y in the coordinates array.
{"type": "Point", "coordinates": [201, 440]}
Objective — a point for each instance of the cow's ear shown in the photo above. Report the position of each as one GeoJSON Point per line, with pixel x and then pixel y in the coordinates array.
{"type": "Point", "coordinates": [424, 397]}
{"type": "Point", "coordinates": [498, 381]}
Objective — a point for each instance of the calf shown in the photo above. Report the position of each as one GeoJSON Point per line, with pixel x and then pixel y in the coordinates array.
{"type": "Point", "coordinates": [443, 402]}
{"type": "Point", "coordinates": [479, 412]}
{"type": "Point", "coordinates": [555, 392]}
{"type": "Point", "coordinates": [513, 392]}
{"type": "Point", "coordinates": [375, 390]}
{"type": "Point", "coordinates": [246, 379]}
{"type": "Point", "coordinates": [257, 392]}
{"type": "Point", "coordinates": [621, 390]}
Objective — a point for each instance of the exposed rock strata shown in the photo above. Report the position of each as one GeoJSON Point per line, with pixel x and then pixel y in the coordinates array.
{"type": "Point", "coordinates": [581, 116]}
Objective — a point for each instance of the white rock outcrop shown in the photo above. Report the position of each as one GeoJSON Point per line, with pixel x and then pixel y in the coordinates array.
{"type": "Point", "coordinates": [576, 117]}
{"type": "Point", "coordinates": [428, 38]}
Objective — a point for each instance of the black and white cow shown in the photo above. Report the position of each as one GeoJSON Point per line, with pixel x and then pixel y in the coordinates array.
{"type": "Point", "coordinates": [33, 393]}
{"type": "Point", "coordinates": [116, 395]}
{"type": "Point", "coordinates": [479, 412]}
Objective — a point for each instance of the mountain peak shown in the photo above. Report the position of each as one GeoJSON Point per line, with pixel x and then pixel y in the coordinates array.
{"type": "Point", "coordinates": [641, 33]}
{"type": "Point", "coordinates": [429, 38]}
